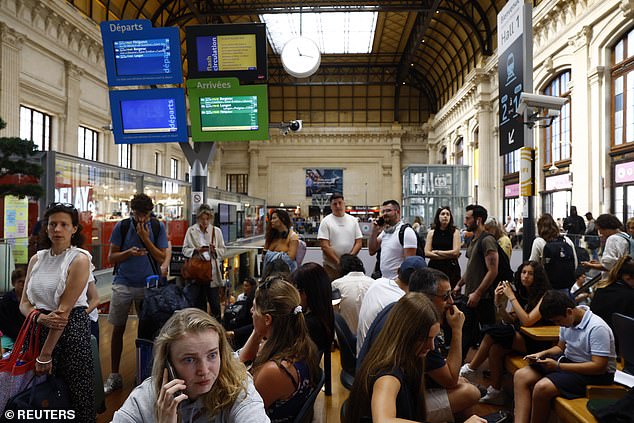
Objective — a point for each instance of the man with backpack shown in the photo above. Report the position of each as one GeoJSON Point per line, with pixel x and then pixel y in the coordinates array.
{"type": "Point", "coordinates": [386, 235]}
{"type": "Point", "coordinates": [137, 249]}
{"type": "Point", "coordinates": [480, 277]}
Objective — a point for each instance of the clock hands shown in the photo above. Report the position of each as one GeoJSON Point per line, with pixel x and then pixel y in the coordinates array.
{"type": "Point", "coordinates": [303, 55]}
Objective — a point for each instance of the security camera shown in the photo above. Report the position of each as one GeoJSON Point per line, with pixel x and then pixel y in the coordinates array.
{"type": "Point", "coordinates": [296, 125]}
{"type": "Point", "coordinates": [528, 100]}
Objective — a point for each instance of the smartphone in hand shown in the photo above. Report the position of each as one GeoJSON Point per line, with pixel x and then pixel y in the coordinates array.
{"type": "Point", "coordinates": [171, 375]}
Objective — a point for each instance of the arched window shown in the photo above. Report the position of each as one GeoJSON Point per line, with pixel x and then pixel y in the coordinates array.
{"type": "Point", "coordinates": [459, 151]}
{"type": "Point", "coordinates": [623, 90]}
{"type": "Point", "coordinates": [557, 137]}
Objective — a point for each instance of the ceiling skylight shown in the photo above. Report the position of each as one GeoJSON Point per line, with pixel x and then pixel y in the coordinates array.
{"type": "Point", "coordinates": [334, 32]}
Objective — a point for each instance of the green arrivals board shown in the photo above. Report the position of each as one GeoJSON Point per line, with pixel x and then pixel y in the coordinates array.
{"type": "Point", "coordinates": [223, 110]}
{"type": "Point", "coordinates": [233, 113]}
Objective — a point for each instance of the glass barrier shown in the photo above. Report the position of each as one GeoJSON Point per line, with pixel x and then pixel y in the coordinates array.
{"type": "Point", "coordinates": [12, 251]}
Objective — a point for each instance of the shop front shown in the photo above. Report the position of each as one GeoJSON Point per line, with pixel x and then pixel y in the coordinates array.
{"type": "Point", "coordinates": [557, 197]}
{"type": "Point", "coordinates": [623, 196]}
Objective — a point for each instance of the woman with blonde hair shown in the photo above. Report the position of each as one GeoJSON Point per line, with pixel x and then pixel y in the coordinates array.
{"type": "Point", "coordinates": [205, 240]}
{"type": "Point", "coordinates": [195, 378]}
{"type": "Point", "coordinates": [285, 367]}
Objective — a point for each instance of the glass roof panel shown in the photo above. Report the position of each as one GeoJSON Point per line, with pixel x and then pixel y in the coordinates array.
{"type": "Point", "coordinates": [334, 32]}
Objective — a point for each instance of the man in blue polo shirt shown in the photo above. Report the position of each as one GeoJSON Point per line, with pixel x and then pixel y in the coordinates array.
{"type": "Point", "coordinates": [447, 395]}
{"type": "Point", "coordinates": [585, 355]}
{"type": "Point", "coordinates": [136, 254]}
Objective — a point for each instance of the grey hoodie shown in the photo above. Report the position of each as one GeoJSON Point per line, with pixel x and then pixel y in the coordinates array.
{"type": "Point", "coordinates": [140, 408]}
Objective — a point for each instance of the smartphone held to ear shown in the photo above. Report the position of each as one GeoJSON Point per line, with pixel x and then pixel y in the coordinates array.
{"type": "Point", "coordinates": [171, 375]}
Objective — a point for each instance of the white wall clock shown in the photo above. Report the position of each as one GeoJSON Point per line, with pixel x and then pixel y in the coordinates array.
{"type": "Point", "coordinates": [301, 57]}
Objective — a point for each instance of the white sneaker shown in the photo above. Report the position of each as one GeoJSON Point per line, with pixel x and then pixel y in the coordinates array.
{"type": "Point", "coordinates": [113, 383]}
{"type": "Point", "coordinates": [494, 396]}
{"type": "Point", "coordinates": [469, 374]}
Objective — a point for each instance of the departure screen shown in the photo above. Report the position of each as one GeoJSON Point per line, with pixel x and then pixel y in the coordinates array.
{"type": "Point", "coordinates": [149, 116]}
{"type": "Point", "coordinates": [142, 57]}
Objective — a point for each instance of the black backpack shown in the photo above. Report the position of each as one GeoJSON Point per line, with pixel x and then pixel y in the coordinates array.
{"type": "Point", "coordinates": [505, 273]}
{"type": "Point", "coordinates": [420, 242]}
{"type": "Point", "coordinates": [559, 263]}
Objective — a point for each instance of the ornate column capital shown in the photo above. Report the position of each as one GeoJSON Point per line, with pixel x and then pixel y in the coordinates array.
{"type": "Point", "coordinates": [11, 37]}
{"type": "Point", "coordinates": [627, 7]}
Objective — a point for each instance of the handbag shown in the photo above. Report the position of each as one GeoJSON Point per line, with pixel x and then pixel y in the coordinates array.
{"type": "Point", "coordinates": [198, 269]}
{"type": "Point", "coordinates": [17, 371]}
{"type": "Point", "coordinates": [51, 394]}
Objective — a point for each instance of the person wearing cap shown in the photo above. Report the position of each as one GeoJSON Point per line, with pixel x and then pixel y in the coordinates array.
{"type": "Point", "coordinates": [339, 234]}
{"type": "Point", "coordinates": [446, 394]}
{"type": "Point", "coordinates": [383, 292]}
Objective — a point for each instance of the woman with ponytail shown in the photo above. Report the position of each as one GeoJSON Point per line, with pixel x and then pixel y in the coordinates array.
{"type": "Point", "coordinates": [285, 367]}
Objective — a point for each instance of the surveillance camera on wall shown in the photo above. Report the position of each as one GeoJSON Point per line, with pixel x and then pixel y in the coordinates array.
{"type": "Point", "coordinates": [296, 125]}
{"type": "Point", "coordinates": [528, 100]}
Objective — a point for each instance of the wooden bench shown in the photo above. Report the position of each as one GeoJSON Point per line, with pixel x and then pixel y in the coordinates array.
{"type": "Point", "coordinates": [574, 410]}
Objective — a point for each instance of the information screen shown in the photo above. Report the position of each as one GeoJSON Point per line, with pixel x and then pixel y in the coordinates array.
{"type": "Point", "coordinates": [149, 116]}
{"type": "Point", "coordinates": [229, 113]}
{"type": "Point", "coordinates": [142, 57]}
{"type": "Point", "coordinates": [227, 53]}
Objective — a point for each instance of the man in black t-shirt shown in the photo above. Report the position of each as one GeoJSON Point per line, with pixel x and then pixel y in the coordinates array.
{"type": "Point", "coordinates": [574, 226]}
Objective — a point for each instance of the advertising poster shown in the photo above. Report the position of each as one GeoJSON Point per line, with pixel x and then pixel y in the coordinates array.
{"type": "Point", "coordinates": [323, 181]}
{"type": "Point", "coordinates": [16, 212]}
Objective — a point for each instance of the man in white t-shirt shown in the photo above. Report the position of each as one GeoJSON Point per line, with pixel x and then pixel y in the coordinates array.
{"type": "Point", "coordinates": [339, 234]}
{"type": "Point", "coordinates": [385, 236]}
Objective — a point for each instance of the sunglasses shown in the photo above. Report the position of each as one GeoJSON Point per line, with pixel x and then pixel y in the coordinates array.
{"type": "Point", "coordinates": [56, 205]}
{"type": "Point", "coordinates": [446, 296]}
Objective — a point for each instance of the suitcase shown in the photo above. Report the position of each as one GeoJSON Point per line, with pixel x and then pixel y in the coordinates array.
{"type": "Point", "coordinates": [144, 359]}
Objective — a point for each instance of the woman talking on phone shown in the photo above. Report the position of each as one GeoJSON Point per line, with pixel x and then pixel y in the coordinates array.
{"type": "Point", "coordinates": [205, 239]}
{"type": "Point", "coordinates": [196, 378]}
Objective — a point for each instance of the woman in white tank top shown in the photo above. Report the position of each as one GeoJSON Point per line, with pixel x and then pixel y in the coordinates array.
{"type": "Point", "coordinates": [55, 286]}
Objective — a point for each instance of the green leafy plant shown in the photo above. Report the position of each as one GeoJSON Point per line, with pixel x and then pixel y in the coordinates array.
{"type": "Point", "coordinates": [15, 165]}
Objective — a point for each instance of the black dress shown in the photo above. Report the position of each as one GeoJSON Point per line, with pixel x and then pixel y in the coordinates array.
{"type": "Point", "coordinates": [442, 240]}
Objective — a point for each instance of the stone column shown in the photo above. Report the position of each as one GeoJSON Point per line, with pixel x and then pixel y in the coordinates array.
{"type": "Point", "coordinates": [397, 177]}
{"type": "Point", "coordinates": [254, 186]}
{"type": "Point", "coordinates": [488, 157]}
{"type": "Point", "coordinates": [10, 45]}
{"type": "Point", "coordinates": [73, 94]}
{"type": "Point", "coordinates": [581, 116]}
{"type": "Point", "coordinates": [596, 162]}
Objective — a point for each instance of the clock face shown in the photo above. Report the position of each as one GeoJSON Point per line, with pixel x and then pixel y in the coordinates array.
{"type": "Point", "coordinates": [301, 57]}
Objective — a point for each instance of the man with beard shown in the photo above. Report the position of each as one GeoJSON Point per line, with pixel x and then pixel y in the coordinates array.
{"type": "Point", "coordinates": [385, 236]}
{"type": "Point", "coordinates": [482, 269]}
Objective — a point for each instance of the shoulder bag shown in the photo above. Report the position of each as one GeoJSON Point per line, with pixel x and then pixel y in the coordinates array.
{"type": "Point", "coordinates": [198, 269]}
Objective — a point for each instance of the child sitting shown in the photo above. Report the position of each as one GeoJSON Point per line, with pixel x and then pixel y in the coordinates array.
{"type": "Point", "coordinates": [568, 367]}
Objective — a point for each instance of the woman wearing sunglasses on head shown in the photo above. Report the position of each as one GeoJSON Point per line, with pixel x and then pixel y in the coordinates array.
{"type": "Point", "coordinates": [285, 367]}
{"type": "Point", "coordinates": [56, 284]}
